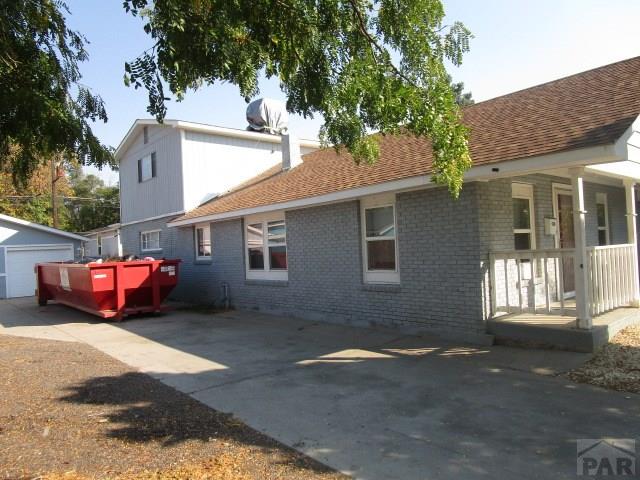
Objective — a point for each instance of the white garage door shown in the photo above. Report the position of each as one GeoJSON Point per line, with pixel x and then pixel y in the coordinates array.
{"type": "Point", "coordinates": [21, 278]}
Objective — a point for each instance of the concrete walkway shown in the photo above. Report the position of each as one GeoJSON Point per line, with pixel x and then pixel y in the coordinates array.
{"type": "Point", "coordinates": [369, 402]}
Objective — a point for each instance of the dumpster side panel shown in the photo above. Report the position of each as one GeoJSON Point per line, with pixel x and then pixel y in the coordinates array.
{"type": "Point", "coordinates": [137, 283]}
{"type": "Point", "coordinates": [102, 286]}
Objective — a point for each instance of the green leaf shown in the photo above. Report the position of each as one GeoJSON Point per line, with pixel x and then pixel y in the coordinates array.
{"type": "Point", "coordinates": [364, 65]}
{"type": "Point", "coordinates": [45, 109]}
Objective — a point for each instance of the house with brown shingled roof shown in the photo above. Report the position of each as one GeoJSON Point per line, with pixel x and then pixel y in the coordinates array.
{"type": "Point", "coordinates": [541, 245]}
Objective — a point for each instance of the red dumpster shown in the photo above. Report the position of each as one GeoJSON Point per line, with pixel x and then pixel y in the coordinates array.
{"type": "Point", "coordinates": [109, 289]}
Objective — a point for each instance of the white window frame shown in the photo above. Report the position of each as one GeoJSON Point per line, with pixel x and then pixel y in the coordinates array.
{"type": "Point", "coordinates": [267, 273]}
{"type": "Point", "coordinates": [206, 227]}
{"type": "Point", "coordinates": [147, 232]}
{"type": "Point", "coordinates": [525, 191]}
{"type": "Point", "coordinates": [601, 199]}
{"type": "Point", "coordinates": [378, 276]}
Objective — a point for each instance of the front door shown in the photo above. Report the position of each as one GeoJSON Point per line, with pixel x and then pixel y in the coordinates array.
{"type": "Point", "coordinates": [566, 238]}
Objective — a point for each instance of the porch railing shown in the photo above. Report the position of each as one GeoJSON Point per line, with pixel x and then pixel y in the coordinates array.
{"type": "Point", "coordinates": [611, 277]}
{"type": "Point", "coordinates": [529, 280]}
{"type": "Point", "coordinates": [534, 280]}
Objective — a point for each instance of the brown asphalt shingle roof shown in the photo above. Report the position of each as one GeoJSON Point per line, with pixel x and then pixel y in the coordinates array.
{"type": "Point", "coordinates": [584, 110]}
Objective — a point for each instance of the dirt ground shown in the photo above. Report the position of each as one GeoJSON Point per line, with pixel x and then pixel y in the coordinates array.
{"type": "Point", "coordinates": [616, 366]}
{"type": "Point", "coordinates": [70, 412]}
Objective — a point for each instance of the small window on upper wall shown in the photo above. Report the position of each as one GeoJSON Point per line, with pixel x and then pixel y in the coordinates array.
{"type": "Point", "coordinates": [147, 168]}
{"type": "Point", "coordinates": [150, 241]}
{"type": "Point", "coordinates": [203, 242]}
{"type": "Point", "coordinates": [266, 247]}
{"type": "Point", "coordinates": [145, 134]}
{"type": "Point", "coordinates": [602, 211]}
{"type": "Point", "coordinates": [524, 237]}
{"type": "Point", "coordinates": [380, 253]}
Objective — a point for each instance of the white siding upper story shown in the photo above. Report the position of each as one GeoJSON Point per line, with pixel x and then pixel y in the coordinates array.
{"type": "Point", "coordinates": [214, 163]}
{"type": "Point", "coordinates": [191, 167]}
{"type": "Point", "coordinates": [160, 195]}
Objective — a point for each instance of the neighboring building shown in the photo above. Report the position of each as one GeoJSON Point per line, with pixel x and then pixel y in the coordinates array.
{"type": "Point", "coordinates": [545, 222]}
{"type": "Point", "coordinates": [104, 242]}
{"type": "Point", "coordinates": [22, 245]}
{"type": "Point", "coordinates": [166, 170]}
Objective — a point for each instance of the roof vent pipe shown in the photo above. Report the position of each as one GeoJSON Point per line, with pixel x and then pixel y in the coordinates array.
{"type": "Point", "coordinates": [291, 157]}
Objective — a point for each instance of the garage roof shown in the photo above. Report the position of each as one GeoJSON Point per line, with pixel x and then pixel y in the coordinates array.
{"type": "Point", "coordinates": [44, 228]}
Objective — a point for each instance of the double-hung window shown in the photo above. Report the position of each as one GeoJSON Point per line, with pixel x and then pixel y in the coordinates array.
{"type": "Point", "coordinates": [603, 218]}
{"type": "Point", "coordinates": [380, 249]}
{"type": "Point", "coordinates": [203, 242]}
{"type": "Point", "coordinates": [524, 237]}
{"type": "Point", "coordinates": [266, 247]}
{"type": "Point", "coordinates": [150, 241]}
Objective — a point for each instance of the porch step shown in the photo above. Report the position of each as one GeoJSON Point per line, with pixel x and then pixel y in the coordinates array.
{"type": "Point", "coordinates": [511, 329]}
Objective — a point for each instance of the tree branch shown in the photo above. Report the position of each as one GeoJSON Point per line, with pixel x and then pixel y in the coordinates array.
{"type": "Point", "coordinates": [375, 45]}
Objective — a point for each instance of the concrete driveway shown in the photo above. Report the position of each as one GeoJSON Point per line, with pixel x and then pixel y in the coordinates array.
{"type": "Point", "coordinates": [370, 402]}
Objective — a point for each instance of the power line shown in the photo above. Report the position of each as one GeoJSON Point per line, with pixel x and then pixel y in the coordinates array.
{"type": "Point", "coordinates": [29, 197]}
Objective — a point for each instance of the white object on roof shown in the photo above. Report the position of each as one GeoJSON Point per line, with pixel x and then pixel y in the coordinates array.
{"type": "Point", "coordinates": [268, 116]}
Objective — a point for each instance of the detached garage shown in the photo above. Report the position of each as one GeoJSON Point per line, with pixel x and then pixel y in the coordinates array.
{"type": "Point", "coordinates": [22, 245]}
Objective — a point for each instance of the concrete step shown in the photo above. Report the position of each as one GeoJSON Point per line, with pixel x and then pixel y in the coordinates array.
{"type": "Point", "coordinates": [559, 336]}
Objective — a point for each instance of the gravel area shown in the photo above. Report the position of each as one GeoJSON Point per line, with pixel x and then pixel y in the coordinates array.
{"type": "Point", "coordinates": [68, 411]}
{"type": "Point", "coordinates": [616, 366]}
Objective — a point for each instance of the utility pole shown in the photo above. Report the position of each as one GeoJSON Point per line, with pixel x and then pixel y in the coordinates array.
{"type": "Point", "coordinates": [56, 174]}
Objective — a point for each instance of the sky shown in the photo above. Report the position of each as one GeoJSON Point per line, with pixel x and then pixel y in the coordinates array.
{"type": "Point", "coordinates": [516, 44]}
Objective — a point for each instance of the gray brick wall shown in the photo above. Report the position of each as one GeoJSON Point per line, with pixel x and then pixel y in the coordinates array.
{"type": "Point", "coordinates": [495, 227]}
{"type": "Point", "coordinates": [543, 208]}
{"type": "Point", "coordinates": [496, 217]}
{"type": "Point", "coordinates": [439, 260]}
{"type": "Point", "coordinates": [443, 256]}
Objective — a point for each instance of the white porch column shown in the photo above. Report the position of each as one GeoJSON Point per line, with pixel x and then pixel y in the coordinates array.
{"type": "Point", "coordinates": [583, 312]}
{"type": "Point", "coordinates": [632, 236]}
